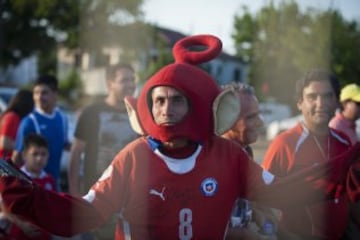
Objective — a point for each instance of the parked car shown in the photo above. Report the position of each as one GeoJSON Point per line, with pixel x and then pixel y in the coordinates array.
{"type": "Point", "coordinates": [276, 127]}
{"type": "Point", "coordinates": [272, 111]}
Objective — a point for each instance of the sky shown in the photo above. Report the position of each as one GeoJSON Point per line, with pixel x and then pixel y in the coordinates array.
{"type": "Point", "coordinates": [216, 16]}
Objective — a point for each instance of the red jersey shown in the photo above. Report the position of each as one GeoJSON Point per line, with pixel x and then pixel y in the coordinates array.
{"type": "Point", "coordinates": [294, 150]}
{"type": "Point", "coordinates": [45, 180]}
{"type": "Point", "coordinates": [155, 202]}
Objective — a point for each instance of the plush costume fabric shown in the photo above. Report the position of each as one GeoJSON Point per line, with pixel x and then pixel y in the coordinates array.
{"type": "Point", "coordinates": [194, 83]}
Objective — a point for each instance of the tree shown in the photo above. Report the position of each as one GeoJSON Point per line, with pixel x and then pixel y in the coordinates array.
{"type": "Point", "coordinates": [30, 27]}
{"type": "Point", "coordinates": [281, 42]}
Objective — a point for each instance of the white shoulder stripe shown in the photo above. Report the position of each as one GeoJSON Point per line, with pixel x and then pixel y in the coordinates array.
{"type": "Point", "coordinates": [126, 227]}
{"type": "Point", "coordinates": [35, 122]}
{"type": "Point", "coordinates": [339, 138]}
{"type": "Point", "coordinates": [267, 176]}
{"type": "Point", "coordinates": [301, 139]}
{"type": "Point", "coordinates": [90, 196]}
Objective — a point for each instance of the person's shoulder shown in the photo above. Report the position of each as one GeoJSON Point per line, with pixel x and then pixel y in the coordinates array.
{"type": "Point", "coordinates": [28, 118]}
{"type": "Point", "coordinates": [336, 120]}
{"type": "Point", "coordinates": [289, 133]}
{"type": "Point", "coordinates": [134, 150]}
{"type": "Point", "coordinates": [340, 136]}
{"type": "Point", "coordinates": [139, 142]}
{"type": "Point", "coordinates": [217, 142]}
{"type": "Point", "coordinates": [11, 115]}
{"type": "Point", "coordinates": [94, 107]}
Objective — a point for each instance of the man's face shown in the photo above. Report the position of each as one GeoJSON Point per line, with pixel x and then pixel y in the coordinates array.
{"type": "Point", "coordinates": [169, 106]}
{"type": "Point", "coordinates": [123, 84]}
{"type": "Point", "coordinates": [44, 98]}
{"type": "Point", "coordinates": [318, 104]}
{"type": "Point", "coordinates": [35, 158]}
{"type": "Point", "coordinates": [246, 129]}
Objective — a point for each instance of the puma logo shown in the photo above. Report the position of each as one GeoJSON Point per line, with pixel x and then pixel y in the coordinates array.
{"type": "Point", "coordinates": [160, 194]}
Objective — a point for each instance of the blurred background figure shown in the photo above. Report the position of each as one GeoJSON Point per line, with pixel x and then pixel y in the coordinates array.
{"type": "Point", "coordinates": [247, 219]}
{"type": "Point", "coordinates": [345, 118]}
{"type": "Point", "coordinates": [246, 129]}
{"type": "Point", "coordinates": [311, 142]}
{"type": "Point", "coordinates": [47, 120]}
{"type": "Point", "coordinates": [35, 156]}
{"type": "Point", "coordinates": [102, 130]}
{"type": "Point", "coordinates": [345, 121]}
{"type": "Point", "coordinates": [20, 105]}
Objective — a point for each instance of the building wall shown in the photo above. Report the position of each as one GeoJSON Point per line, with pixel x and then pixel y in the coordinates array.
{"type": "Point", "coordinates": [22, 74]}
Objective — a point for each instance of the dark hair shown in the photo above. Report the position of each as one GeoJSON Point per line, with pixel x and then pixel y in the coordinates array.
{"type": "Point", "coordinates": [36, 140]}
{"type": "Point", "coordinates": [21, 103]}
{"type": "Point", "coordinates": [112, 69]}
{"type": "Point", "coordinates": [317, 75]}
{"type": "Point", "coordinates": [48, 80]}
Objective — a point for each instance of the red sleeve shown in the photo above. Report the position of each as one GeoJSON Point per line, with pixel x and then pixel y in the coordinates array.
{"type": "Point", "coordinates": [60, 214]}
{"type": "Point", "coordinates": [279, 157]}
{"type": "Point", "coordinates": [353, 177]}
{"type": "Point", "coordinates": [9, 125]}
{"type": "Point", "coordinates": [345, 167]}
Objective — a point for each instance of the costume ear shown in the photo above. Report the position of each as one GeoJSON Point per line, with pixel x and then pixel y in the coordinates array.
{"type": "Point", "coordinates": [226, 110]}
{"type": "Point", "coordinates": [130, 103]}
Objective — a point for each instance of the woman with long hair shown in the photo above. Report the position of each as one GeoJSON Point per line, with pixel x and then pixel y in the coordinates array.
{"type": "Point", "coordinates": [20, 105]}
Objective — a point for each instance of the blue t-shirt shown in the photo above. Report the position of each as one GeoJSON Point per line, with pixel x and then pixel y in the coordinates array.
{"type": "Point", "coordinates": [54, 128]}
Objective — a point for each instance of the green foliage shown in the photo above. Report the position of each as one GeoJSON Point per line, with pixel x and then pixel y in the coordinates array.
{"type": "Point", "coordinates": [30, 27]}
{"type": "Point", "coordinates": [71, 86]}
{"type": "Point", "coordinates": [162, 57]}
{"type": "Point", "coordinates": [281, 42]}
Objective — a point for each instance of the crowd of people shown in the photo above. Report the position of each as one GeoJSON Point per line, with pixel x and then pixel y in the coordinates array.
{"type": "Point", "coordinates": [176, 161]}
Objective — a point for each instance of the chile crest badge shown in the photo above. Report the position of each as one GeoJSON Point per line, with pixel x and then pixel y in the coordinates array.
{"type": "Point", "coordinates": [209, 187]}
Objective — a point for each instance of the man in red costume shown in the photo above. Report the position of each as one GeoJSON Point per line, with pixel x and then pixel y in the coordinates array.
{"type": "Point", "coordinates": [180, 180]}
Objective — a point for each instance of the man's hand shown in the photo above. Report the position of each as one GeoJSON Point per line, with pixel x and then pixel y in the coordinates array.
{"type": "Point", "coordinates": [4, 225]}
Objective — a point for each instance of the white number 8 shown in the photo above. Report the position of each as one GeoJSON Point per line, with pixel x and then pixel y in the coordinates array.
{"type": "Point", "coordinates": [185, 228]}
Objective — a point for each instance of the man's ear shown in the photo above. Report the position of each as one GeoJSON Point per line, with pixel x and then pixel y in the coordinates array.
{"type": "Point", "coordinates": [226, 110]}
{"type": "Point", "coordinates": [298, 104]}
{"type": "Point", "coordinates": [130, 103]}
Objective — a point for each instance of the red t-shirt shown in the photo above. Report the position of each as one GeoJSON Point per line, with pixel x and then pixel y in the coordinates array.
{"type": "Point", "coordinates": [9, 124]}
{"type": "Point", "coordinates": [294, 150]}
